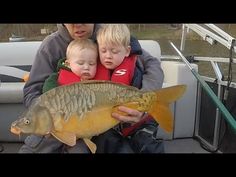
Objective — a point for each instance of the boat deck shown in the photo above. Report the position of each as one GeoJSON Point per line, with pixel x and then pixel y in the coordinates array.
{"type": "Point", "coordinates": [187, 145]}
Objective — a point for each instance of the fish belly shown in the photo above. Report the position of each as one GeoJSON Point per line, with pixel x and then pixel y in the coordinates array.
{"type": "Point", "coordinates": [92, 123]}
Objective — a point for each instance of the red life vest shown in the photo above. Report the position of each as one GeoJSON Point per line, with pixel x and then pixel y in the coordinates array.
{"type": "Point", "coordinates": [122, 74]}
{"type": "Point", "coordinates": [66, 77]}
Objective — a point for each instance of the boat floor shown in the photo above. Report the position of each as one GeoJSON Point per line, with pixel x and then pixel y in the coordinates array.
{"type": "Point", "coordinates": [186, 145]}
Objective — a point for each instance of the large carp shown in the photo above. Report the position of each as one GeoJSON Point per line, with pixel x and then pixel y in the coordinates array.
{"type": "Point", "coordinates": [83, 110]}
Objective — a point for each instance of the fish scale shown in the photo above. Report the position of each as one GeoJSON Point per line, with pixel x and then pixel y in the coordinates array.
{"type": "Point", "coordinates": [59, 100]}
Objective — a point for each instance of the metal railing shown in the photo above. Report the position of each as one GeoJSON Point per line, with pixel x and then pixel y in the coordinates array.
{"type": "Point", "coordinates": [219, 36]}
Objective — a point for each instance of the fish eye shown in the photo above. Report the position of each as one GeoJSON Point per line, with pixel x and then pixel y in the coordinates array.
{"type": "Point", "coordinates": [26, 121]}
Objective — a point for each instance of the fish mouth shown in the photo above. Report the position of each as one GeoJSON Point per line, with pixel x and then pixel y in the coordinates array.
{"type": "Point", "coordinates": [15, 130]}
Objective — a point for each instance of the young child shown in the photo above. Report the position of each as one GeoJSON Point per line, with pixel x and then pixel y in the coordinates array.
{"type": "Point", "coordinates": [116, 63]}
{"type": "Point", "coordinates": [80, 64]}
{"type": "Point", "coordinates": [119, 65]}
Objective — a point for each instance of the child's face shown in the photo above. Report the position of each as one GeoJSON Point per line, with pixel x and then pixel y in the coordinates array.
{"type": "Point", "coordinates": [83, 63]}
{"type": "Point", "coordinates": [112, 56]}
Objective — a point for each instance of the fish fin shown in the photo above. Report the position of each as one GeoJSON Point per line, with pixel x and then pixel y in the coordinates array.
{"type": "Point", "coordinates": [171, 94]}
{"type": "Point", "coordinates": [160, 110]}
{"type": "Point", "coordinates": [65, 137]}
{"type": "Point", "coordinates": [91, 145]}
{"type": "Point", "coordinates": [163, 115]}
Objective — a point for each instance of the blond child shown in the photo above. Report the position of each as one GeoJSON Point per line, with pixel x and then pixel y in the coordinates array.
{"type": "Point", "coordinates": [118, 64]}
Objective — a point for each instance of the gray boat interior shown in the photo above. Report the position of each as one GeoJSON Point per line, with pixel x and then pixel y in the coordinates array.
{"type": "Point", "coordinates": [17, 57]}
{"type": "Point", "coordinates": [198, 124]}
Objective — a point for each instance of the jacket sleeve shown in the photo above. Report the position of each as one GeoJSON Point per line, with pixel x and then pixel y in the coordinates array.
{"type": "Point", "coordinates": [153, 74]}
{"type": "Point", "coordinates": [42, 67]}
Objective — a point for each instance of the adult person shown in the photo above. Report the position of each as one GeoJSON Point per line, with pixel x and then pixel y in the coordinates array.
{"type": "Point", "coordinates": [54, 48]}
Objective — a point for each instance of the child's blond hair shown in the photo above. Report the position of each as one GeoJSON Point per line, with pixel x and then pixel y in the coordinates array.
{"type": "Point", "coordinates": [114, 34]}
{"type": "Point", "coordinates": [79, 44]}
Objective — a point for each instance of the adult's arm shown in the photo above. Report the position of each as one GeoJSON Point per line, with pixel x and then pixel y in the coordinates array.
{"type": "Point", "coordinates": [153, 76]}
{"type": "Point", "coordinates": [41, 69]}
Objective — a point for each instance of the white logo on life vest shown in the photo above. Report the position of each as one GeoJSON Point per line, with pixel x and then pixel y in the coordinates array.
{"type": "Point", "coordinates": [120, 72]}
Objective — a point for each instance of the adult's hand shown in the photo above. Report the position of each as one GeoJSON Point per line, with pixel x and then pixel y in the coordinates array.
{"type": "Point", "coordinates": [131, 115]}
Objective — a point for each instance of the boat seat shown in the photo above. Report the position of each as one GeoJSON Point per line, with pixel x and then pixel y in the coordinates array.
{"type": "Point", "coordinates": [184, 109]}
{"type": "Point", "coordinates": [152, 47]}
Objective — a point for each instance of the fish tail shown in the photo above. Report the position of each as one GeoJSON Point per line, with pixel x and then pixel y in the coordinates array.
{"type": "Point", "coordinates": [161, 111]}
